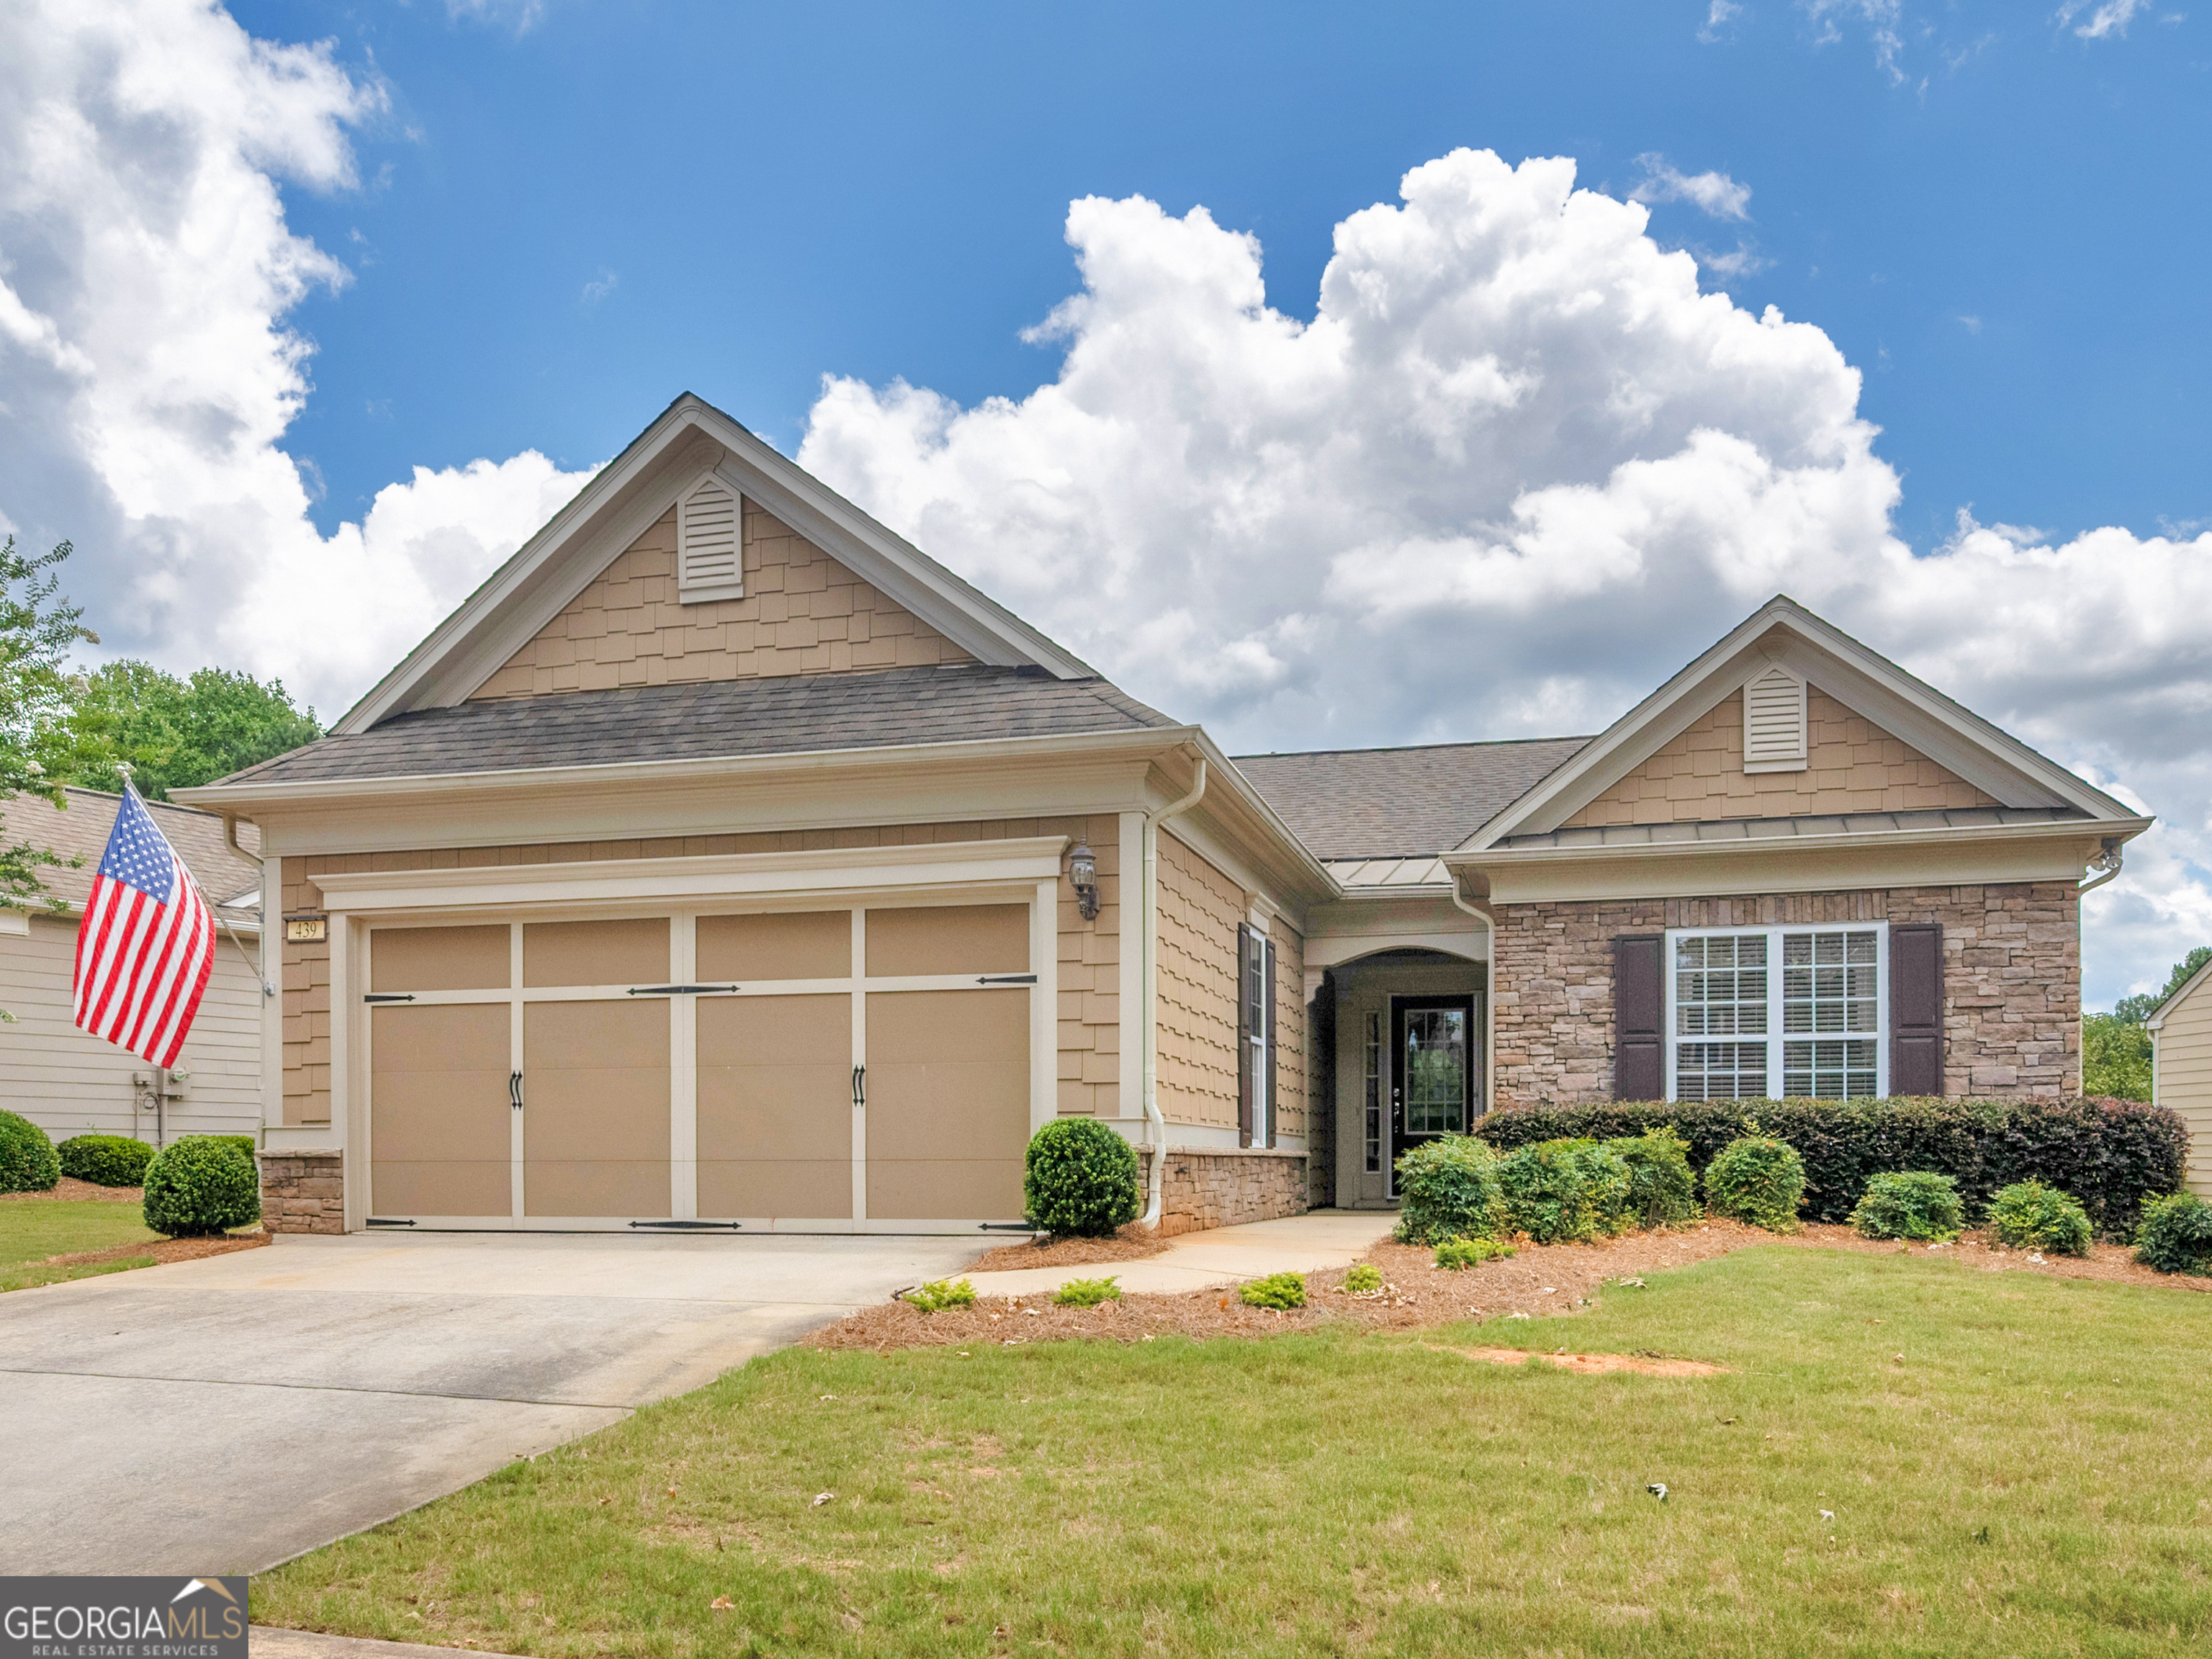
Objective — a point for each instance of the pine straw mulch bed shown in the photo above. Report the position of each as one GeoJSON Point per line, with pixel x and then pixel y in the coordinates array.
{"type": "Point", "coordinates": [163, 1250]}
{"type": "Point", "coordinates": [1541, 1279]}
{"type": "Point", "coordinates": [1132, 1243]}
{"type": "Point", "coordinates": [69, 1188]}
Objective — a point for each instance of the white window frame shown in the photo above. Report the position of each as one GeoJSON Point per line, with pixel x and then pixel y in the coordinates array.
{"type": "Point", "coordinates": [1262, 946]}
{"type": "Point", "coordinates": [1775, 1036]}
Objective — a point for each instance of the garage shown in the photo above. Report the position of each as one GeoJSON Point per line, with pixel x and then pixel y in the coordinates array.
{"type": "Point", "coordinates": [860, 1066]}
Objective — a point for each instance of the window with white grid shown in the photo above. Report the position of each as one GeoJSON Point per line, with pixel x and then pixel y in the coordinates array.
{"type": "Point", "coordinates": [1776, 1012]}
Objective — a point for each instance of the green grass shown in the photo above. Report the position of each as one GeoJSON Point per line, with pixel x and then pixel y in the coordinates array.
{"type": "Point", "coordinates": [31, 1230]}
{"type": "Point", "coordinates": [2034, 1476]}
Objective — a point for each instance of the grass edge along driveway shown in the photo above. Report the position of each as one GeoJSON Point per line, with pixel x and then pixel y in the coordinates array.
{"type": "Point", "coordinates": [1906, 1458]}
{"type": "Point", "coordinates": [31, 1229]}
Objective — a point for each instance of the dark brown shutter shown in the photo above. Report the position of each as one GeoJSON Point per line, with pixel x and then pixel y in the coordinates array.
{"type": "Point", "coordinates": [1267, 990]}
{"type": "Point", "coordinates": [1639, 1038]}
{"type": "Point", "coordinates": [1244, 1077]}
{"type": "Point", "coordinates": [1915, 1008]}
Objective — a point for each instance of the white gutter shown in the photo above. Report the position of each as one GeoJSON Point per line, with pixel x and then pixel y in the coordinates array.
{"type": "Point", "coordinates": [1489, 994]}
{"type": "Point", "coordinates": [1156, 1127]}
{"type": "Point", "coordinates": [2107, 864]}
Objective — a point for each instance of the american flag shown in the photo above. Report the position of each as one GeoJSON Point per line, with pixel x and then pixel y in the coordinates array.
{"type": "Point", "coordinates": [147, 944]}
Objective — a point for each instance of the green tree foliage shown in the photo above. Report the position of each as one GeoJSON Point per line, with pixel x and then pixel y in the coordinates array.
{"type": "Point", "coordinates": [2134, 1010]}
{"type": "Point", "coordinates": [2114, 1057]}
{"type": "Point", "coordinates": [38, 745]}
{"type": "Point", "coordinates": [174, 733]}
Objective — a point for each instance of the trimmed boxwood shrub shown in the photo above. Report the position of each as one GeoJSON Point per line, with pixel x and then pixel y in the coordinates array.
{"type": "Point", "coordinates": [1447, 1188]}
{"type": "Point", "coordinates": [2176, 1235]}
{"type": "Point", "coordinates": [28, 1162]}
{"type": "Point", "coordinates": [1758, 1180]}
{"type": "Point", "coordinates": [202, 1185]}
{"type": "Point", "coordinates": [1564, 1191]}
{"type": "Point", "coordinates": [105, 1160]}
{"type": "Point", "coordinates": [1079, 1180]}
{"type": "Point", "coordinates": [2112, 1155]}
{"type": "Point", "coordinates": [2030, 1216]}
{"type": "Point", "coordinates": [1662, 1189]}
{"type": "Point", "coordinates": [1914, 1204]}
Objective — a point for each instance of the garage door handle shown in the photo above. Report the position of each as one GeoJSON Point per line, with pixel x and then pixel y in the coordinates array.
{"type": "Point", "coordinates": [859, 1085]}
{"type": "Point", "coordinates": [514, 1090]}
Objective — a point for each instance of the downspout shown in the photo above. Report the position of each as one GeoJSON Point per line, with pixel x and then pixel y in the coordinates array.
{"type": "Point", "coordinates": [2105, 864]}
{"type": "Point", "coordinates": [1489, 992]}
{"type": "Point", "coordinates": [1156, 1127]}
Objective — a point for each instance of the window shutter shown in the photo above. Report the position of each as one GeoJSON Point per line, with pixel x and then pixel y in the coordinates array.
{"type": "Point", "coordinates": [1774, 722]}
{"type": "Point", "coordinates": [1915, 1008]}
{"type": "Point", "coordinates": [1639, 1039]}
{"type": "Point", "coordinates": [709, 554]}
{"type": "Point", "coordinates": [1244, 1078]}
{"type": "Point", "coordinates": [1267, 990]}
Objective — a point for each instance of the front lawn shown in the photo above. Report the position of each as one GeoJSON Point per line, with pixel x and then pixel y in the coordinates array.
{"type": "Point", "coordinates": [1907, 1457]}
{"type": "Point", "coordinates": [33, 1229]}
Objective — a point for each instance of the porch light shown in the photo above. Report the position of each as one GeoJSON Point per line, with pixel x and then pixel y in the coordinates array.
{"type": "Point", "coordinates": [1083, 877]}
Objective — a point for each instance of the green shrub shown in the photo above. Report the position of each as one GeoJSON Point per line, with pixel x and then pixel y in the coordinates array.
{"type": "Point", "coordinates": [939, 1294]}
{"type": "Point", "coordinates": [2176, 1235]}
{"type": "Point", "coordinates": [2030, 1216]}
{"type": "Point", "coordinates": [1564, 1191]}
{"type": "Point", "coordinates": [1275, 1291]}
{"type": "Point", "coordinates": [1662, 1189]}
{"type": "Point", "coordinates": [202, 1185]}
{"type": "Point", "coordinates": [105, 1160]}
{"type": "Point", "coordinates": [28, 1162]}
{"type": "Point", "coordinates": [1087, 1293]}
{"type": "Point", "coordinates": [1446, 1187]}
{"type": "Point", "coordinates": [1913, 1203]}
{"type": "Point", "coordinates": [1080, 1179]}
{"type": "Point", "coordinates": [1364, 1277]}
{"type": "Point", "coordinates": [1758, 1180]}
{"type": "Point", "coordinates": [245, 1144]}
{"type": "Point", "coordinates": [2112, 1155]}
{"type": "Point", "coordinates": [1456, 1253]}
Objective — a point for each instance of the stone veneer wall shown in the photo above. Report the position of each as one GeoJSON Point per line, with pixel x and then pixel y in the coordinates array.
{"type": "Point", "coordinates": [1209, 1187]}
{"type": "Point", "coordinates": [303, 1191]}
{"type": "Point", "coordinates": [2012, 980]}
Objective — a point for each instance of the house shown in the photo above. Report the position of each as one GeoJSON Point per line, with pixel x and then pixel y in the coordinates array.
{"type": "Point", "coordinates": [724, 861]}
{"type": "Point", "coordinates": [68, 1081]}
{"type": "Point", "coordinates": [2181, 1070]}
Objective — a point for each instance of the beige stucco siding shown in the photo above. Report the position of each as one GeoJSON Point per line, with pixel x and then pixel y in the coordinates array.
{"type": "Point", "coordinates": [1088, 968]}
{"type": "Point", "coordinates": [1199, 910]}
{"type": "Point", "coordinates": [1290, 992]}
{"type": "Point", "coordinates": [1853, 766]}
{"type": "Point", "coordinates": [802, 613]}
{"type": "Point", "coordinates": [69, 1083]}
{"type": "Point", "coordinates": [2184, 1078]}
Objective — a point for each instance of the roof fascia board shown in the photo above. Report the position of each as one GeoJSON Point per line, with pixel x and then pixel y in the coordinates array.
{"type": "Point", "coordinates": [1253, 822]}
{"type": "Point", "coordinates": [2092, 831]}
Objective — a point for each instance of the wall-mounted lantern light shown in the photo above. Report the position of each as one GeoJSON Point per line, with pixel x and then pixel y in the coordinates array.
{"type": "Point", "coordinates": [1083, 875]}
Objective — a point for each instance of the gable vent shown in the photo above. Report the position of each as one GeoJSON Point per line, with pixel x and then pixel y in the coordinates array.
{"type": "Point", "coordinates": [709, 552]}
{"type": "Point", "coordinates": [1774, 722]}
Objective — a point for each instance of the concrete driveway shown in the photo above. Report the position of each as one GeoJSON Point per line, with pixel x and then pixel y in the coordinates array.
{"type": "Point", "coordinates": [224, 1415]}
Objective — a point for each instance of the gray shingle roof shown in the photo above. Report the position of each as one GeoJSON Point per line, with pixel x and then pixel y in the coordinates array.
{"type": "Point", "coordinates": [1400, 803]}
{"type": "Point", "coordinates": [81, 832]}
{"type": "Point", "coordinates": [798, 714]}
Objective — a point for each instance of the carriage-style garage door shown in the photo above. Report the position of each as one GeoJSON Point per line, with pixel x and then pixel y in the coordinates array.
{"type": "Point", "coordinates": [867, 1065]}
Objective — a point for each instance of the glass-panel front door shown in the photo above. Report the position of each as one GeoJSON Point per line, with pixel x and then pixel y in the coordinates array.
{"type": "Point", "coordinates": [1433, 1071]}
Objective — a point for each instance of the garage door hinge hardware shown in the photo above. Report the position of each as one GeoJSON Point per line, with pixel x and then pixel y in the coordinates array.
{"type": "Point", "coordinates": [389, 996]}
{"type": "Point", "coordinates": [388, 1221]}
{"type": "Point", "coordinates": [677, 990]}
{"type": "Point", "coordinates": [1007, 978]}
{"type": "Point", "coordinates": [693, 1226]}
{"type": "Point", "coordinates": [1005, 1227]}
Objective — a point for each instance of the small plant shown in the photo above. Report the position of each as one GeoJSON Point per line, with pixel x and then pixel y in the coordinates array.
{"type": "Point", "coordinates": [1454, 1253]}
{"type": "Point", "coordinates": [1364, 1276]}
{"type": "Point", "coordinates": [105, 1160]}
{"type": "Point", "coordinates": [2176, 1235]}
{"type": "Point", "coordinates": [939, 1294]}
{"type": "Point", "coordinates": [1758, 1180]}
{"type": "Point", "coordinates": [1079, 1179]}
{"type": "Point", "coordinates": [1916, 1204]}
{"type": "Point", "coordinates": [1661, 1190]}
{"type": "Point", "coordinates": [1446, 1187]}
{"type": "Point", "coordinates": [1087, 1293]}
{"type": "Point", "coordinates": [1275, 1291]}
{"type": "Point", "coordinates": [28, 1161]}
{"type": "Point", "coordinates": [2030, 1216]}
{"type": "Point", "coordinates": [1564, 1191]}
{"type": "Point", "coordinates": [200, 1186]}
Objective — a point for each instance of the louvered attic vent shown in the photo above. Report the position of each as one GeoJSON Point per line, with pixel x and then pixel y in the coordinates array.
{"type": "Point", "coordinates": [709, 556]}
{"type": "Point", "coordinates": [1774, 722]}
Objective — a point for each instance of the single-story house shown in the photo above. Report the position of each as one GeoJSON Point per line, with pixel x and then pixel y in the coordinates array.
{"type": "Point", "coordinates": [2181, 1069]}
{"type": "Point", "coordinates": [68, 1081]}
{"type": "Point", "coordinates": [724, 861]}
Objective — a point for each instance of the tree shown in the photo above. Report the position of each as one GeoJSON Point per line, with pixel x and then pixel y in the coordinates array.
{"type": "Point", "coordinates": [2134, 1010]}
{"type": "Point", "coordinates": [174, 733]}
{"type": "Point", "coordinates": [2115, 1058]}
{"type": "Point", "coordinates": [40, 746]}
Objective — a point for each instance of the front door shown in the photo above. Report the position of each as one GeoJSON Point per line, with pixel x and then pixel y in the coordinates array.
{"type": "Point", "coordinates": [1432, 1071]}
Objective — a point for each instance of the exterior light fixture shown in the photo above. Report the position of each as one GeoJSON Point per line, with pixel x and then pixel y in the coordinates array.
{"type": "Point", "coordinates": [1083, 877]}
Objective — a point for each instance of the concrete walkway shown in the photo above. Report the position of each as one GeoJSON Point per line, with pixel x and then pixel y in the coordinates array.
{"type": "Point", "coordinates": [1225, 1255]}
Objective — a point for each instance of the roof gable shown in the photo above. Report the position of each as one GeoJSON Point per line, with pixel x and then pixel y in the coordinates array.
{"type": "Point", "coordinates": [690, 441]}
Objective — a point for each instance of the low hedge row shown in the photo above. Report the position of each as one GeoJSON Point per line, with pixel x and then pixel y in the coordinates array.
{"type": "Point", "coordinates": [2112, 1155]}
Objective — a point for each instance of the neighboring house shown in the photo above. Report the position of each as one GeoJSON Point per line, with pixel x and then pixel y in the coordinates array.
{"type": "Point", "coordinates": [71, 1083]}
{"type": "Point", "coordinates": [2181, 1069]}
{"type": "Point", "coordinates": [725, 861]}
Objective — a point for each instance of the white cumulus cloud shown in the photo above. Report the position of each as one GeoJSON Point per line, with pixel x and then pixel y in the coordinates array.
{"type": "Point", "coordinates": [1515, 470]}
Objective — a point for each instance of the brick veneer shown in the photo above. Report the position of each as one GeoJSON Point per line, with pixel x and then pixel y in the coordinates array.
{"type": "Point", "coordinates": [1208, 1187]}
{"type": "Point", "coordinates": [2012, 980]}
{"type": "Point", "coordinates": [303, 1191]}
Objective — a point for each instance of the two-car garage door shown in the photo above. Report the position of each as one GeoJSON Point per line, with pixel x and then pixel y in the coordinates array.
{"type": "Point", "coordinates": [847, 1068]}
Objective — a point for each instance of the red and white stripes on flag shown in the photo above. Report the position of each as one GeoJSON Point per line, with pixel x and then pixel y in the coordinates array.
{"type": "Point", "coordinates": [146, 946]}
